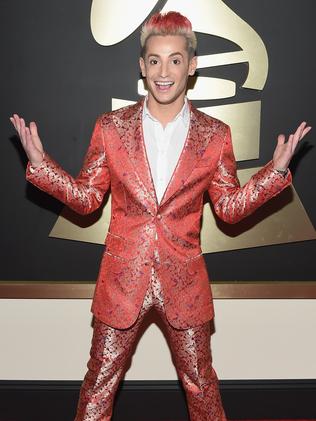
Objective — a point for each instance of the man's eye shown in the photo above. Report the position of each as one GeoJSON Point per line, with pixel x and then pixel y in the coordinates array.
{"type": "Point", "coordinates": [153, 61]}
{"type": "Point", "coordinates": [176, 61]}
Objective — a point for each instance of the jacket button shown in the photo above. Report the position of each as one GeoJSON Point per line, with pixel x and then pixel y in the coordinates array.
{"type": "Point", "coordinates": [159, 216]}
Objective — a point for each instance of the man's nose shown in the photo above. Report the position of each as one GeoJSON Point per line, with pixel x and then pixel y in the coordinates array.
{"type": "Point", "coordinates": [164, 69]}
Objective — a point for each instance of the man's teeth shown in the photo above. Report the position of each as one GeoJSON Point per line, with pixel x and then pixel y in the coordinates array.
{"type": "Point", "coordinates": [164, 83]}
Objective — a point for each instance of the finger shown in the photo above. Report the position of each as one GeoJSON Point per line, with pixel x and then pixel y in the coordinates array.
{"type": "Point", "coordinates": [299, 131]}
{"type": "Point", "coordinates": [17, 117]}
{"type": "Point", "coordinates": [297, 136]}
{"type": "Point", "coordinates": [33, 129]}
{"type": "Point", "coordinates": [291, 139]}
{"type": "Point", "coordinates": [290, 144]}
{"type": "Point", "coordinates": [22, 131]}
{"type": "Point", "coordinates": [33, 132]}
{"type": "Point", "coordinates": [12, 121]}
{"type": "Point", "coordinates": [305, 131]}
{"type": "Point", "coordinates": [281, 139]}
{"type": "Point", "coordinates": [28, 137]}
{"type": "Point", "coordinates": [17, 122]}
{"type": "Point", "coordinates": [29, 146]}
{"type": "Point", "coordinates": [36, 139]}
{"type": "Point", "coordinates": [301, 128]}
{"type": "Point", "coordinates": [302, 131]}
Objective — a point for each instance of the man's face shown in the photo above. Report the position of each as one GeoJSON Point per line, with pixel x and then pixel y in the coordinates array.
{"type": "Point", "coordinates": [166, 67]}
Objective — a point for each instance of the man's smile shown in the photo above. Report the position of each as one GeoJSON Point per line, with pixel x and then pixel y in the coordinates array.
{"type": "Point", "coordinates": [163, 86]}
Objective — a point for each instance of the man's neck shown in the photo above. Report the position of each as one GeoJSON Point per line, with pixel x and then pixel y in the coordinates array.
{"type": "Point", "coordinates": [164, 113]}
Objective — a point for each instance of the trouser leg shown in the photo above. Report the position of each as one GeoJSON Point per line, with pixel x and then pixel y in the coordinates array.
{"type": "Point", "coordinates": [192, 356]}
{"type": "Point", "coordinates": [110, 351]}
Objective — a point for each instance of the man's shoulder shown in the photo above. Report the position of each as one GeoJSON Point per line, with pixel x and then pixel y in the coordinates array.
{"type": "Point", "coordinates": [207, 119]}
{"type": "Point", "coordinates": [208, 122]}
{"type": "Point", "coordinates": [126, 113]}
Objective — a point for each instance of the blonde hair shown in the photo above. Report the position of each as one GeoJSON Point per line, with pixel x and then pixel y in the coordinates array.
{"type": "Point", "coordinates": [170, 23]}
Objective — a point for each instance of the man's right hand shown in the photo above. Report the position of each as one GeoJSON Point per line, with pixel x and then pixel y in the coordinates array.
{"type": "Point", "coordinates": [29, 139]}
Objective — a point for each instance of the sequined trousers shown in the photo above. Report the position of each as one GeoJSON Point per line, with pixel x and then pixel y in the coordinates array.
{"type": "Point", "coordinates": [111, 349]}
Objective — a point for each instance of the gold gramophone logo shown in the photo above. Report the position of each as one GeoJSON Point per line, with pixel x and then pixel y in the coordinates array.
{"type": "Point", "coordinates": [285, 220]}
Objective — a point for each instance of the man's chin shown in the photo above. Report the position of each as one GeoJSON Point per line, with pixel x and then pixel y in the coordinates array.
{"type": "Point", "coordinates": [165, 100]}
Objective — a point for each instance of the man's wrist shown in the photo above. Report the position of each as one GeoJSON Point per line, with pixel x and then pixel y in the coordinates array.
{"type": "Point", "coordinates": [281, 171]}
{"type": "Point", "coordinates": [34, 166]}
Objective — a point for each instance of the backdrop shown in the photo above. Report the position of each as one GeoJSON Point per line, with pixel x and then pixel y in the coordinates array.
{"type": "Point", "coordinates": [54, 72]}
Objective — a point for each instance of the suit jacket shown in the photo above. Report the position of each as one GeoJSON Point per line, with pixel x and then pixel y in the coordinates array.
{"type": "Point", "coordinates": [117, 158]}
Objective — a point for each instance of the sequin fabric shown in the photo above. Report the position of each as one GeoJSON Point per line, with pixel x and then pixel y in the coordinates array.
{"type": "Point", "coordinates": [111, 349]}
{"type": "Point", "coordinates": [117, 159]}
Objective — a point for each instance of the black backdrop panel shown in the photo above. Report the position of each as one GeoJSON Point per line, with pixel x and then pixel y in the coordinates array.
{"type": "Point", "coordinates": [54, 72]}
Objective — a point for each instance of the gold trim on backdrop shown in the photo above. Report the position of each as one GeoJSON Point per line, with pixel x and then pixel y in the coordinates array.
{"type": "Point", "coordinates": [221, 290]}
{"type": "Point", "coordinates": [113, 21]}
{"type": "Point", "coordinates": [244, 122]}
{"type": "Point", "coordinates": [214, 17]}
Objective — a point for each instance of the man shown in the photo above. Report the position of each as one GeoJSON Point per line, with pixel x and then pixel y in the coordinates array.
{"type": "Point", "coordinates": [159, 156]}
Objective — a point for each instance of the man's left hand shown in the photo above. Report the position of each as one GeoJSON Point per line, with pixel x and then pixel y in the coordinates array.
{"type": "Point", "coordinates": [285, 148]}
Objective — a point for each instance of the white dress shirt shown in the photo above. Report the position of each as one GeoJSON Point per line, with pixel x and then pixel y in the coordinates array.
{"type": "Point", "coordinates": [164, 145]}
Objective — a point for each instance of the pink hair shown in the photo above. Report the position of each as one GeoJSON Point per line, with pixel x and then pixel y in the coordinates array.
{"type": "Point", "coordinates": [170, 23]}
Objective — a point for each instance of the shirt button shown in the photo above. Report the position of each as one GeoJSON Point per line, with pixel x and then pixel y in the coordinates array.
{"type": "Point", "coordinates": [159, 216]}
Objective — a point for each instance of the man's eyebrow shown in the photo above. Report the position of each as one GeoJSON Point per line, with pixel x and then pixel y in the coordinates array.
{"type": "Point", "coordinates": [176, 54]}
{"type": "Point", "coordinates": [170, 55]}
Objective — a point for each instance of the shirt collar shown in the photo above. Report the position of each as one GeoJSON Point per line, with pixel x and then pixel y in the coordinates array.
{"type": "Point", "coordinates": [184, 113]}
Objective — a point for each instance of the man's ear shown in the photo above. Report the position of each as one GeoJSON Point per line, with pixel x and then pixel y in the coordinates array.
{"type": "Point", "coordinates": [142, 66]}
{"type": "Point", "coordinates": [192, 65]}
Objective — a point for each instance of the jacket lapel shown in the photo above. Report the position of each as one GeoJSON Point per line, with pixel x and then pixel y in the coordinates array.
{"type": "Point", "coordinates": [129, 126]}
{"type": "Point", "coordinates": [193, 149]}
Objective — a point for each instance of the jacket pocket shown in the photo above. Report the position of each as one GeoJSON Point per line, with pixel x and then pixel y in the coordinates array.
{"type": "Point", "coordinates": [195, 264]}
{"type": "Point", "coordinates": [119, 247]}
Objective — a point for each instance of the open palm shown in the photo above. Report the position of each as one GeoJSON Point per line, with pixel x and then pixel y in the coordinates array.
{"type": "Point", "coordinates": [29, 139]}
{"type": "Point", "coordinates": [285, 148]}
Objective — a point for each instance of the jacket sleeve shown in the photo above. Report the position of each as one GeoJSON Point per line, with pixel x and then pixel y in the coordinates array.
{"type": "Point", "coordinates": [85, 193]}
{"type": "Point", "coordinates": [232, 202]}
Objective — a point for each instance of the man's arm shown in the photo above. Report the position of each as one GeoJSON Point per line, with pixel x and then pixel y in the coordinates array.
{"type": "Point", "coordinates": [232, 202]}
{"type": "Point", "coordinates": [83, 194]}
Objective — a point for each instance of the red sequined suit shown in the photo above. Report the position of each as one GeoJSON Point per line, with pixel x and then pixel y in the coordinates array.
{"type": "Point", "coordinates": [142, 229]}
